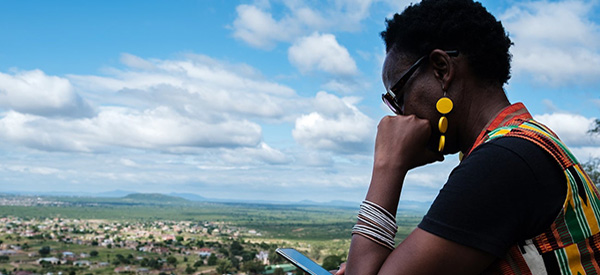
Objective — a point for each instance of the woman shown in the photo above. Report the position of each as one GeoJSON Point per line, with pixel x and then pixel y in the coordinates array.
{"type": "Point", "coordinates": [518, 203]}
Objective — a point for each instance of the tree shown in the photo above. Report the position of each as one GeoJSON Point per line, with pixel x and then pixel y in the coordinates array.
{"type": "Point", "coordinates": [249, 255]}
{"type": "Point", "coordinates": [93, 253]}
{"type": "Point", "coordinates": [278, 271]}
{"type": "Point", "coordinates": [172, 261]}
{"type": "Point", "coordinates": [154, 263]}
{"type": "Point", "coordinates": [212, 259]}
{"type": "Point", "coordinates": [315, 252]}
{"type": "Point", "coordinates": [595, 127]}
{"type": "Point", "coordinates": [44, 251]}
{"type": "Point", "coordinates": [45, 264]}
{"type": "Point", "coordinates": [224, 266]}
{"type": "Point", "coordinates": [592, 166]}
{"type": "Point", "coordinates": [199, 263]}
{"type": "Point", "coordinates": [253, 267]}
{"type": "Point", "coordinates": [274, 258]}
{"type": "Point", "coordinates": [236, 248]}
{"type": "Point", "coordinates": [332, 262]}
{"type": "Point", "coordinates": [235, 262]}
{"type": "Point", "coordinates": [189, 269]}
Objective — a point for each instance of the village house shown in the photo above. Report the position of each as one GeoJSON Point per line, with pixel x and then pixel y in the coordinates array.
{"type": "Point", "coordinates": [82, 263]}
{"type": "Point", "coordinates": [52, 260]}
{"type": "Point", "coordinates": [9, 252]}
{"type": "Point", "coordinates": [204, 252]}
{"type": "Point", "coordinates": [263, 257]}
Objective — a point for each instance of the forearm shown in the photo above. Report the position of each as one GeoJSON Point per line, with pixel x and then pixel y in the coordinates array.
{"type": "Point", "coordinates": [367, 256]}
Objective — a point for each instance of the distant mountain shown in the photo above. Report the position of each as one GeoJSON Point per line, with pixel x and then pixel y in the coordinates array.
{"type": "Point", "coordinates": [153, 198]}
{"type": "Point", "coordinates": [115, 193]}
{"type": "Point", "coordinates": [417, 206]}
{"type": "Point", "coordinates": [189, 196]}
{"type": "Point", "coordinates": [130, 197]}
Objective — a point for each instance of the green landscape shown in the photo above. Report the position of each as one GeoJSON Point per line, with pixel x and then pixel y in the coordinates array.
{"type": "Point", "coordinates": [160, 234]}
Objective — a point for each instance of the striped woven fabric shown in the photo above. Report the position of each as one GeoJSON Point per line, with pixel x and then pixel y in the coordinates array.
{"type": "Point", "coordinates": [572, 244]}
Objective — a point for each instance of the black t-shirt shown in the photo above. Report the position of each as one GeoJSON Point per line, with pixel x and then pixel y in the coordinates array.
{"type": "Point", "coordinates": [507, 190]}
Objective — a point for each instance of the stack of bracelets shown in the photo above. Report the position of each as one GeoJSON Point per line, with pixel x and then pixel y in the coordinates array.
{"type": "Point", "coordinates": [378, 224]}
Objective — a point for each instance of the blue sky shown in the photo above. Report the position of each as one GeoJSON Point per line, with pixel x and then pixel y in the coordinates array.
{"type": "Point", "coordinates": [273, 100]}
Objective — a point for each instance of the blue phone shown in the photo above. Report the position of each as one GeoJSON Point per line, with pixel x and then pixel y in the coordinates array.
{"type": "Point", "coordinates": [301, 261]}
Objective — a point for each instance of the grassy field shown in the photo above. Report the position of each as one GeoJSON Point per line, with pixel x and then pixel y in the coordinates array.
{"type": "Point", "coordinates": [279, 221]}
{"type": "Point", "coordinates": [317, 230]}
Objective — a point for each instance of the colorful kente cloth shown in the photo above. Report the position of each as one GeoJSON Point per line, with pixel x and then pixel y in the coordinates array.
{"type": "Point", "coordinates": [571, 245]}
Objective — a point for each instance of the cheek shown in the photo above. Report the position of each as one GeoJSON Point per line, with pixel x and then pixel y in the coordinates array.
{"type": "Point", "coordinates": [421, 102]}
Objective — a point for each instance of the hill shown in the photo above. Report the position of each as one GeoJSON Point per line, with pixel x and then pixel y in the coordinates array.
{"type": "Point", "coordinates": [153, 198]}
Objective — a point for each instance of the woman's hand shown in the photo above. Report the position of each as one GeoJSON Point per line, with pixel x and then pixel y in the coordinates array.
{"type": "Point", "coordinates": [402, 143]}
{"type": "Point", "coordinates": [341, 270]}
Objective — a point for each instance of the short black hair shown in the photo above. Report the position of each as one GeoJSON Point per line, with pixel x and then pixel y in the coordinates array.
{"type": "Point", "coordinates": [462, 25]}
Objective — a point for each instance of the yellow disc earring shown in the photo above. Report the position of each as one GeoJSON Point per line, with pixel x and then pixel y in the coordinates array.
{"type": "Point", "coordinates": [444, 105]}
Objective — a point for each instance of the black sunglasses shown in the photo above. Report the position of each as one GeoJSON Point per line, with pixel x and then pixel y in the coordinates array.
{"type": "Point", "coordinates": [390, 99]}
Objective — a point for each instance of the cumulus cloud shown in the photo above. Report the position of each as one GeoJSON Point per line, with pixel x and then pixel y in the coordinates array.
{"type": "Point", "coordinates": [198, 85]}
{"type": "Point", "coordinates": [321, 52]}
{"type": "Point", "coordinates": [159, 129]}
{"type": "Point", "coordinates": [337, 125]}
{"type": "Point", "coordinates": [34, 92]}
{"type": "Point", "coordinates": [571, 128]}
{"type": "Point", "coordinates": [133, 61]}
{"type": "Point", "coordinates": [181, 106]}
{"type": "Point", "coordinates": [256, 25]}
{"type": "Point", "coordinates": [250, 155]}
{"type": "Point", "coordinates": [555, 42]}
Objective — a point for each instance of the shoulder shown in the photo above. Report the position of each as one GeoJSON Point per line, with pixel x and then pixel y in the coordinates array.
{"type": "Point", "coordinates": [506, 157]}
{"type": "Point", "coordinates": [506, 190]}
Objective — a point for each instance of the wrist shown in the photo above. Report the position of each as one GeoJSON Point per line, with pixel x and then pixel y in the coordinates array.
{"type": "Point", "coordinates": [391, 167]}
{"type": "Point", "coordinates": [386, 184]}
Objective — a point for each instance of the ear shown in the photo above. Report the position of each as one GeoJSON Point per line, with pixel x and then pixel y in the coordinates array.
{"type": "Point", "coordinates": [443, 68]}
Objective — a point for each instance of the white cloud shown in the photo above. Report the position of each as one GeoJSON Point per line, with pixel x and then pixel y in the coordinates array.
{"type": "Point", "coordinates": [346, 85]}
{"type": "Point", "coordinates": [336, 125]}
{"type": "Point", "coordinates": [34, 92]}
{"type": "Point", "coordinates": [321, 52]}
{"type": "Point", "coordinates": [128, 162]}
{"type": "Point", "coordinates": [555, 42]}
{"type": "Point", "coordinates": [31, 169]}
{"type": "Point", "coordinates": [198, 85]}
{"type": "Point", "coordinates": [193, 105]}
{"type": "Point", "coordinates": [136, 62]}
{"type": "Point", "coordinates": [586, 153]}
{"type": "Point", "coordinates": [158, 129]}
{"type": "Point", "coordinates": [256, 25]}
{"type": "Point", "coordinates": [251, 155]}
{"type": "Point", "coordinates": [570, 128]}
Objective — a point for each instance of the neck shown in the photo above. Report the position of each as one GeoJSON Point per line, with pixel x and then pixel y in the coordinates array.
{"type": "Point", "coordinates": [484, 106]}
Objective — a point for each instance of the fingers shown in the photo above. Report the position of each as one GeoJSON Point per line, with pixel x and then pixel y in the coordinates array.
{"type": "Point", "coordinates": [341, 270]}
{"type": "Point", "coordinates": [404, 140]}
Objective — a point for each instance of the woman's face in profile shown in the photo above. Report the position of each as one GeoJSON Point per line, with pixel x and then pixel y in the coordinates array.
{"type": "Point", "coordinates": [419, 93]}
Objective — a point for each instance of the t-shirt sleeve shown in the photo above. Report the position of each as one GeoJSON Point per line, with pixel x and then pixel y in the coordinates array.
{"type": "Point", "coordinates": [505, 191]}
